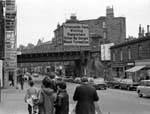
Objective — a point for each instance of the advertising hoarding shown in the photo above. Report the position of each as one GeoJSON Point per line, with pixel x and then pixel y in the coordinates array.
{"type": "Point", "coordinates": [105, 51]}
{"type": "Point", "coordinates": [75, 34]}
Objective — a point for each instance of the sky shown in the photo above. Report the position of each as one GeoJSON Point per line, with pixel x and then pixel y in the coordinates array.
{"type": "Point", "coordinates": [37, 19]}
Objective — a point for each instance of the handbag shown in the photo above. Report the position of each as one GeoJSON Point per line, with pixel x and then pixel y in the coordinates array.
{"type": "Point", "coordinates": [97, 108]}
{"type": "Point", "coordinates": [73, 110]}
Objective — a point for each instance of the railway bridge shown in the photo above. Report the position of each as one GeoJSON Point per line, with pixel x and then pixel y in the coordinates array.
{"type": "Point", "coordinates": [81, 55]}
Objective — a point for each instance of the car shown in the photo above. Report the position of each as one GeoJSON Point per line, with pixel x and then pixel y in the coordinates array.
{"type": "Point", "coordinates": [98, 83]}
{"type": "Point", "coordinates": [65, 78]}
{"type": "Point", "coordinates": [114, 83]}
{"type": "Point", "coordinates": [144, 88]}
{"type": "Point", "coordinates": [26, 76]}
{"type": "Point", "coordinates": [58, 78]}
{"type": "Point", "coordinates": [35, 75]}
{"type": "Point", "coordinates": [77, 80]}
{"type": "Point", "coordinates": [128, 84]}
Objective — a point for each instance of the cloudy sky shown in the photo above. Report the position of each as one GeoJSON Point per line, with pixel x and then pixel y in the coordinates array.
{"type": "Point", "coordinates": [39, 18]}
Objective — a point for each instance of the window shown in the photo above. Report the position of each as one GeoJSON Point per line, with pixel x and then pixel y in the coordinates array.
{"type": "Point", "coordinates": [129, 53]}
{"type": "Point", "coordinates": [104, 24]}
{"type": "Point", "coordinates": [114, 56]}
{"type": "Point", "coordinates": [104, 35]}
{"type": "Point", "coordinates": [121, 55]}
{"type": "Point", "coordinates": [139, 50]}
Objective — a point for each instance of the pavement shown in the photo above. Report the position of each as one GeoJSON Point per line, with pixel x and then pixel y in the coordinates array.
{"type": "Point", "coordinates": [12, 101]}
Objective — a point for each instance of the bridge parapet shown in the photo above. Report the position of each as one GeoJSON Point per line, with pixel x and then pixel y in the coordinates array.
{"type": "Point", "coordinates": [56, 49]}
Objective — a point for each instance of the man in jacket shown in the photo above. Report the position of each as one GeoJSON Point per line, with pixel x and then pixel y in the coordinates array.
{"type": "Point", "coordinates": [85, 95]}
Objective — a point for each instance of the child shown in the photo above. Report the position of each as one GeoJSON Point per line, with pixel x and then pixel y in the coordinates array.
{"type": "Point", "coordinates": [62, 101]}
{"type": "Point", "coordinates": [31, 96]}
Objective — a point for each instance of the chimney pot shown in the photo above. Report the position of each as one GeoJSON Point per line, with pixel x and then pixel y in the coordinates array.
{"type": "Point", "coordinates": [147, 28]}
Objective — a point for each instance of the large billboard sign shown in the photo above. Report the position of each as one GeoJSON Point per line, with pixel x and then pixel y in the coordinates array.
{"type": "Point", "coordinates": [105, 51]}
{"type": "Point", "coordinates": [75, 34]}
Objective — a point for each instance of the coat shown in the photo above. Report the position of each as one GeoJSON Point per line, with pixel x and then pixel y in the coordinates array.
{"type": "Point", "coordinates": [85, 95]}
{"type": "Point", "coordinates": [62, 102]}
{"type": "Point", "coordinates": [46, 101]}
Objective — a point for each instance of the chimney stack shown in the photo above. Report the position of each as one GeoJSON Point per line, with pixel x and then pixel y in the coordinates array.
{"type": "Point", "coordinates": [143, 32]}
{"type": "Point", "coordinates": [147, 28]}
{"type": "Point", "coordinates": [148, 34]}
{"type": "Point", "coordinates": [140, 31]}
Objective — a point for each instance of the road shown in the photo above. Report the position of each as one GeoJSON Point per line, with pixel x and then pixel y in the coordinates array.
{"type": "Point", "coordinates": [111, 100]}
{"type": "Point", "coordinates": [117, 101]}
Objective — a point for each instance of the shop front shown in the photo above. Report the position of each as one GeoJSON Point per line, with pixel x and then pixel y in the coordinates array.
{"type": "Point", "coordinates": [118, 70]}
{"type": "Point", "coordinates": [140, 71]}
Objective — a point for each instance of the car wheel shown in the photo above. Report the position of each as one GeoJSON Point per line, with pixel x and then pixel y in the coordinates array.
{"type": "Point", "coordinates": [140, 94]}
{"type": "Point", "coordinates": [120, 87]}
{"type": "Point", "coordinates": [129, 88]}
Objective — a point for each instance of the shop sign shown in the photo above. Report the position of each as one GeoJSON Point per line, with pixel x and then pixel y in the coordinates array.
{"type": "Point", "coordinates": [142, 63]}
{"type": "Point", "coordinates": [118, 64]}
{"type": "Point", "coordinates": [130, 64]}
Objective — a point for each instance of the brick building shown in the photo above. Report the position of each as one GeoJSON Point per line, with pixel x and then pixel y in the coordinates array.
{"type": "Point", "coordinates": [103, 30]}
{"type": "Point", "coordinates": [8, 34]}
{"type": "Point", "coordinates": [111, 29]}
{"type": "Point", "coordinates": [2, 33]}
{"type": "Point", "coordinates": [131, 59]}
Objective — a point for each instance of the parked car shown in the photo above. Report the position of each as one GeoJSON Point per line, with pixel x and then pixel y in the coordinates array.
{"type": "Point", "coordinates": [144, 88]}
{"type": "Point", "coordinates": [65, 78]}
{"type": "Point", "coordinates": [115, 83]}
{"type": "Point", "coordinates": [35, 75]}
{"type": "Point", "coordinates": [27, 76]}
{"type": "Point", "coordinates": [128, 84]}
{"type": "Point", "coordinates": [57, 78]}
{"type": "Point", "coordinates": [98, 83]}
{"type": "Point", "coordinates": [77, 80]}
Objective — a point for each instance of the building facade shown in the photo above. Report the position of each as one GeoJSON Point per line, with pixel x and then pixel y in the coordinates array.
{"type": "Point", "coordinates": [103, 30]}
{"type": "Point", "coordinates": [131, 59]}
{"type": "Point", "coordinates": [8, 49]}
{"type": "Point", "coordinates": [111, 29]}
{"type": "Point", "coordinates": [2, 32]}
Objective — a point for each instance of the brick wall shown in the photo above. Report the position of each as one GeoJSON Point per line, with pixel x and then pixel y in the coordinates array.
{"type": "Point", "coordinates": [136, 53]}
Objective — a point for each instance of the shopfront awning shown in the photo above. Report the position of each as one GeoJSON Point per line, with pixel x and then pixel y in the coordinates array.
{"type": "Point", "coordinates": [135, 68]}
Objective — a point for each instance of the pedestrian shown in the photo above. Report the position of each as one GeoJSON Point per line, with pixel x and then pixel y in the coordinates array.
{"type": "Point", "coordinates": [85, 95]}
{"type": "Point", "coordinates": [29, 78]}
{"type": "Point", "coordinates": [21, 81]}
{"type": "Point", "coordinates": [46, 97]}
{"type": "Point", "coordinates": [54, 82]}
{"type": "Point", "coordinates": [31, 92]}
{"type": "Point", "coordinates": [62, 100]}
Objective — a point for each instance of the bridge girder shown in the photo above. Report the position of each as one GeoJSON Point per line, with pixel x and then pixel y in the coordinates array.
{"type": "Point", "coordinates": [51, 57]}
